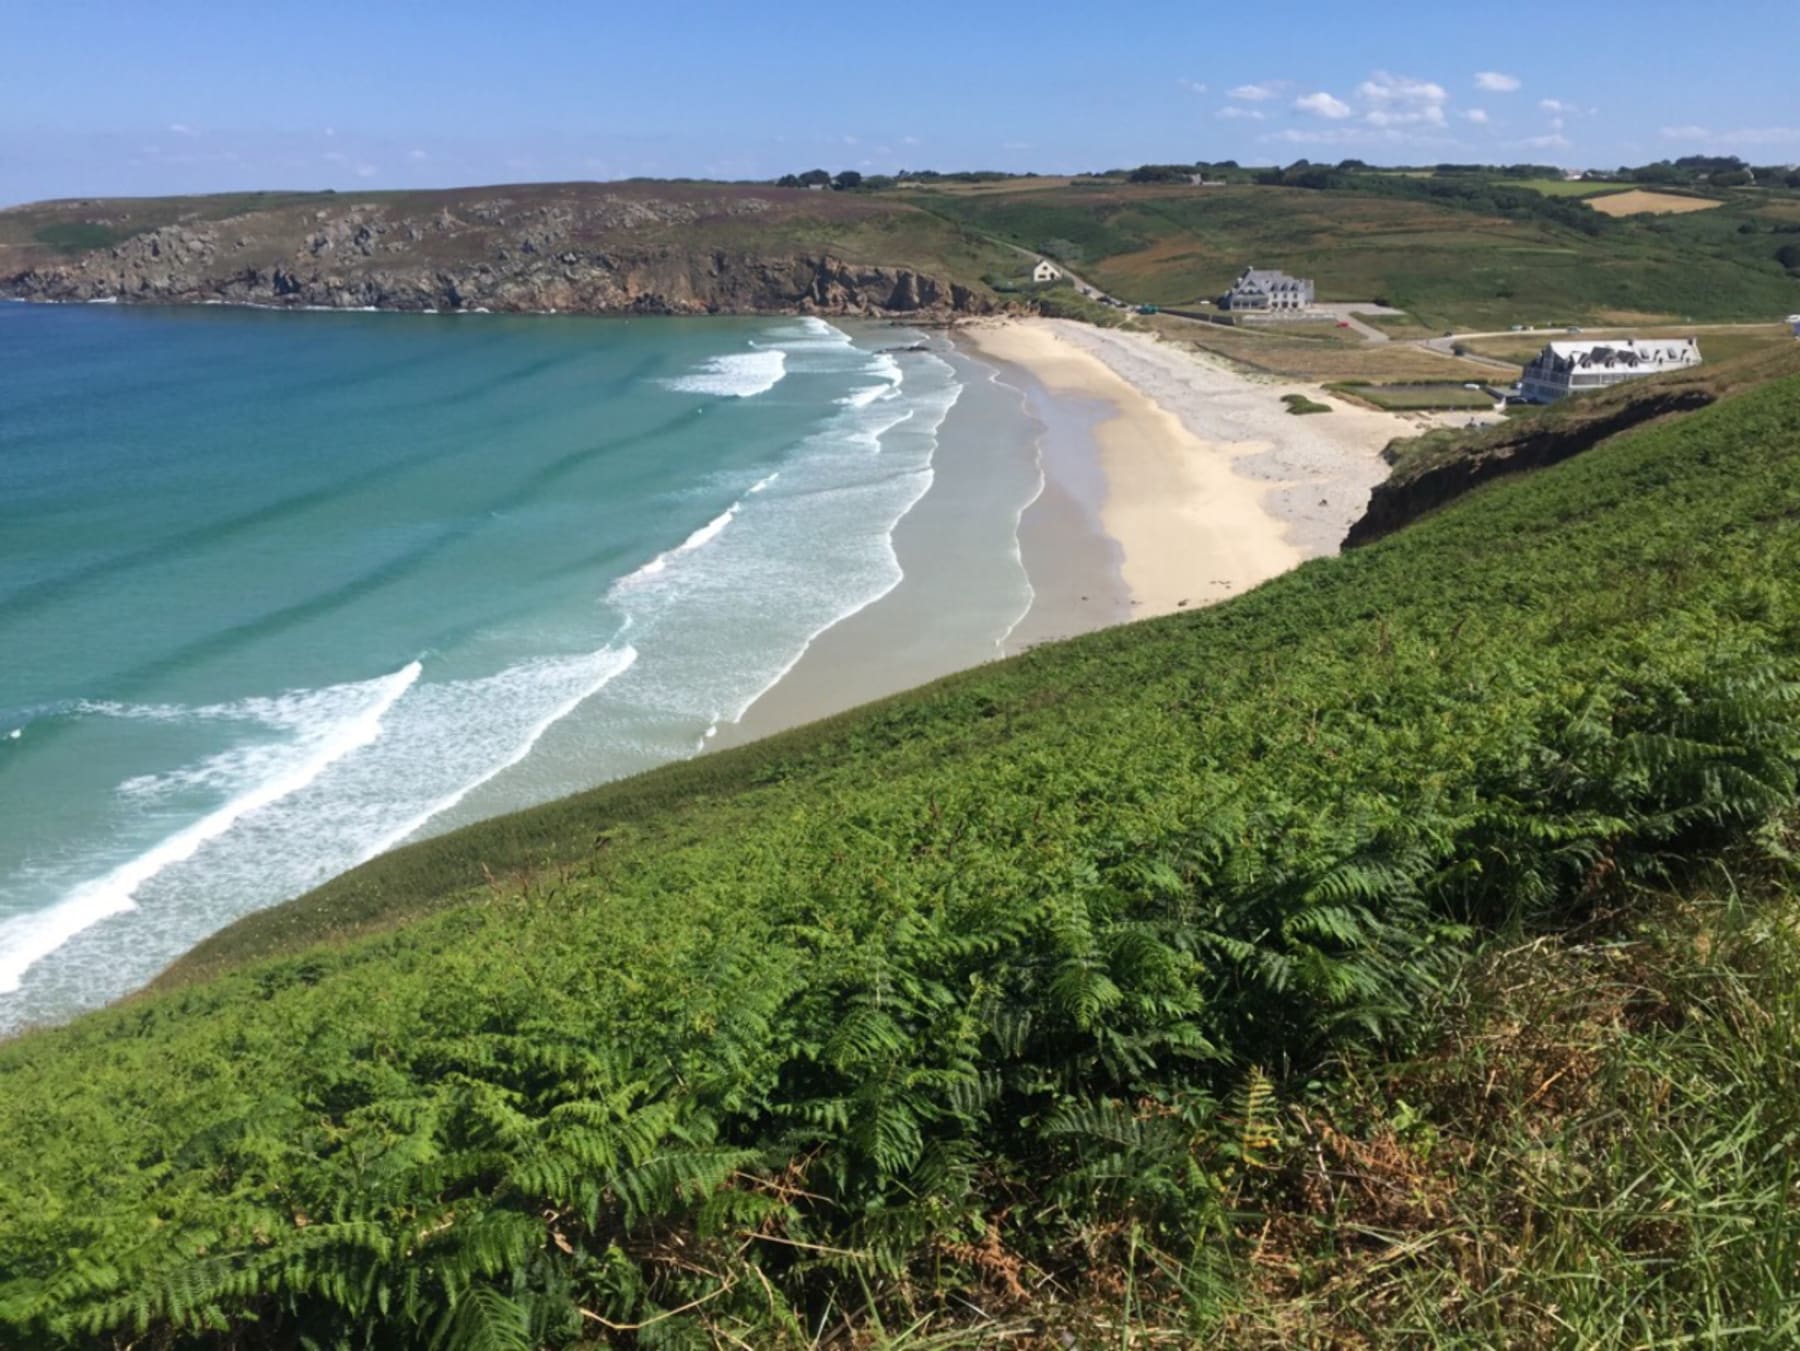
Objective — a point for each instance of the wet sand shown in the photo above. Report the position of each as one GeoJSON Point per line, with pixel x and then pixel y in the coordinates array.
{"type": "Point", "coordinates": [1155, 480]}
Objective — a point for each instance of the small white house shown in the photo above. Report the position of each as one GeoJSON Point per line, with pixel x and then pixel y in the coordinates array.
{"type": "Point", "coordinates": [1565, 368]}
{"type": "Point", "coordinates": [1046, 271]}
{"type": "Point", "coordinates": [1794, 323]}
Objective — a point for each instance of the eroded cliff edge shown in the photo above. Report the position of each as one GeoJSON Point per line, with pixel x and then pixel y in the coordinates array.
{"type": "Point", "coordinates": [595, 248]}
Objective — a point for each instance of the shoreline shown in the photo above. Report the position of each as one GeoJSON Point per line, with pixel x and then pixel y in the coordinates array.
{"type": "Point", "coordinates": [1211, 487]}
{"type": "Point", "coordinates": [1167, 481]}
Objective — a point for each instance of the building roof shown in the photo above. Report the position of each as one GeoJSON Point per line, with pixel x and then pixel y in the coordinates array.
{"type": "Point", "coordinates": [1617, 351]}
{"type": "Point", "coordinates": [1268, 279]}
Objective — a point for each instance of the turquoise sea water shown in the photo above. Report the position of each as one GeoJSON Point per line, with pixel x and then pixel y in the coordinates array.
{"type": "Point", "coordinates": [279, 591]}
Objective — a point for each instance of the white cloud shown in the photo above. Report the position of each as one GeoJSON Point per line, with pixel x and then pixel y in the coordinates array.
{"type": "Point", "coordinates": [1477, 115]}
{"type": "Point", "coordinates": [417, 156]}
{"type": "Point", "coordinates": [850, 140]}
{"type": "Point", "coordinates": [909, 140]}
{"type": "Point", "coordinates": [1554, 141]}
{"type": "Point", "coordinates": [365, 171]}
{"type": "Point", "coordinates": [1324, 105]}
{"type": "Point", "coordinates": [1234, 113]}
{"type": "Point", "coordinates": [1255, 93]}
{"type": "Point", "coordinates": [182, 129]}
{"type": "Point", "coordinates": [1353, 136]}
{"type": "Point", "coordinates": [1016, 145]}
{"type": "Point", "coordinates": [331, 131]}
{"type": "Point", "coordinates": [1192, 86]}
{"type": "Point", "coordinates": [1742, 136]}
{"type": "Point", "coordinates": [1402, 101]}
{"type": "Point", "coordinates": [1557, 106]}
{"type": "Point", "coordinates": [1763, 135]}
{"type": "Point", "coordinates": [336, 157]}
{"type": "Point", "coordinates": [1431, 114]}
{"type": "Point", "coordinates": [1385, 88]}
{"type": "Point", "coordinates": [1497, 82]}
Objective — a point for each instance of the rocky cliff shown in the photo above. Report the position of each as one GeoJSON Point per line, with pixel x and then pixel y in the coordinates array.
{"type": "Point", "coordinates": [1429, 473]}
{"type": "Point", "coordinates": [579, 250]}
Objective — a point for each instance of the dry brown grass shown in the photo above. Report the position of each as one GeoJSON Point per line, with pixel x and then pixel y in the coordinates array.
{"type": "Point", "coordinates": [1656, 203]}
{"type": "Point", "coordinates": [1325, 358]}
{"type": "Point", "coordinates": [993, 187]}
{"type": "Point", "coordinates": [1718, 342]}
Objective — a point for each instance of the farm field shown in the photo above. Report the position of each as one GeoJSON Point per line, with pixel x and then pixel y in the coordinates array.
{"type": "Point", "coordinates": [1448, 266]}
{"type": "Point", "coordinates": [1418, 398]}
{"type": "Point", "coordinates": [1342, 356]}
{"type": "Point", "coordinates": [1655, 203]}
{"type": "Point", "coordinates": [1563, 187]}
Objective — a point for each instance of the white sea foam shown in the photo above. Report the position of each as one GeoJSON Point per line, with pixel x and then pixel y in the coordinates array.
{"type": "Point", "coordinates": [27, 939]}
{"type": "Point", "coordinates": [737, 375]}
{"type": "Point", "coordinates": [592, 675]}
{"type": "Point", "coordinates": [721, 625]}
{"type": "Point", "coordinates": [352, 771]}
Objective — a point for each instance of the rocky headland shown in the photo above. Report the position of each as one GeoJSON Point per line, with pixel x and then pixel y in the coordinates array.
{"type": "Point", "coordinates": [597, 249]}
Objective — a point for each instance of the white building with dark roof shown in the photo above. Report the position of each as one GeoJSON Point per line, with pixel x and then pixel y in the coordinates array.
{"type": "Point", "coordinates": [1266, 291]}
{"type": "Point", "coordinates": [1565, 368]}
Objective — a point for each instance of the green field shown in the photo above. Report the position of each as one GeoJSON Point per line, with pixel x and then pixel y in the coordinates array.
{"type": "Point", "coordinates": [1563, 187]}
{"type": "Point", "coordinates": [1420, 398]}
{"type": "Point", "coordinates": [1448, 266]}
{"type": "Point", "coordinates": [1402, 954]}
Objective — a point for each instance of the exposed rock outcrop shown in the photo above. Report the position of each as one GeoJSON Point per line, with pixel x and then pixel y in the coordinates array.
{"type": "Point", "coordinates": [1414, 492]}
{"type": "Point", "coordinates": [604, 254]}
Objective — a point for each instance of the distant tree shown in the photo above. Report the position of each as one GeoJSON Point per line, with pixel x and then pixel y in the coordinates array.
{"type": "Point", "coordinates": [1788, 255]}
{"type": "Point", "coordinates": [788, 181]}
{"type": "Point", "coordinates": [1731, 178]}
{"type": "Point", "coordinates": [812, 176]}
{"type": "Point", "coordinates": [1352, 166]}
{"type": "Point", "coordinates": [1159, 173]}
{"type": "Point", "coordinates": [847, 180]}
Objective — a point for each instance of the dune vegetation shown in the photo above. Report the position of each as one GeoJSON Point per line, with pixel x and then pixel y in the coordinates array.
{"type": "Point", "coordinates": [1402, 953]}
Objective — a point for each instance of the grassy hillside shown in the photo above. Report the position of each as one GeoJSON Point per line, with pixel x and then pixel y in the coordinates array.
{"type": "Point", "coordinates": [1453, 267]}
{"type": "Point", "coordinates": [1126, 987]}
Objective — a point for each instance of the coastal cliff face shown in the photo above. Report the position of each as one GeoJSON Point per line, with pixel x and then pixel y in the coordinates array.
{"type": "Point", "coordinates": [579, 249]}
{"type": "Point", "coordinates": [1418, 487]}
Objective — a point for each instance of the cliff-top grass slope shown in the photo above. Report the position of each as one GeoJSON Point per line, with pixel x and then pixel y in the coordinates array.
{"type": "Point", "coordinates": [665, 247]}
{"type": "Point", "coordinates": [1430, 469]}
{"type": "Point", "coordinates": [1400, 954]}
{"type": "Point", "coordinates": [1462, 263]}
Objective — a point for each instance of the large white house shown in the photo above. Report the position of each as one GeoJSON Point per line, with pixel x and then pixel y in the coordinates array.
{"type": "Point", "coordinates": [1565, 368]}
{"type": "Point", "coordinates": [1264, 291]}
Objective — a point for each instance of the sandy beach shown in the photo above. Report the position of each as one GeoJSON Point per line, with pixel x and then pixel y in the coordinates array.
{"type": "Point", "coordinates": [1169, 481]}
{"type": "Point", "coordinates": [1210, 485]}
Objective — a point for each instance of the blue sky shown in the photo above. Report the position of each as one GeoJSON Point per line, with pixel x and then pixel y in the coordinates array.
{"type": "Point", "coordinates": [183, 97]}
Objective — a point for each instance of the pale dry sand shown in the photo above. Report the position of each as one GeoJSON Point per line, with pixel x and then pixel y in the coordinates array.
{"type": "Point", "coordinates": [1211, 485]}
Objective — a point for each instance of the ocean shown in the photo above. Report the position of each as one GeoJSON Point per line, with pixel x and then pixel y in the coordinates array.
{"type": "Point", "coordinates": [280, 591]}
